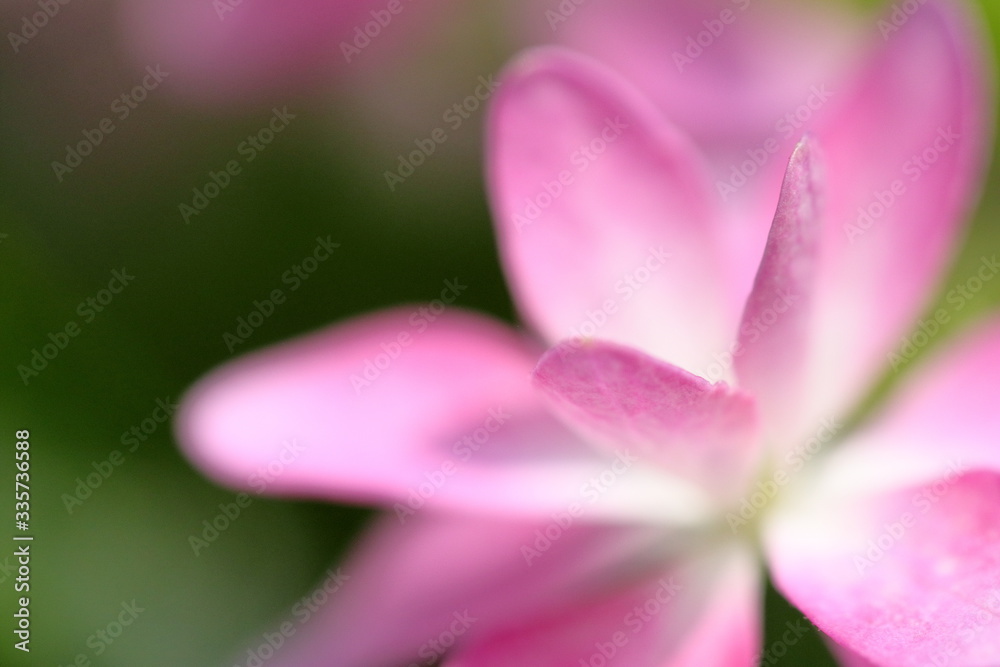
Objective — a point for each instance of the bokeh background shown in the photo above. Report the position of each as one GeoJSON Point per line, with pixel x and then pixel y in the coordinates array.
{"type": "Point", "coordinates": [321, 176]}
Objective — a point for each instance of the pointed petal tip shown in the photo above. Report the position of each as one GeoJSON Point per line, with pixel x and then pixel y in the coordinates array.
{"type": "Point", "coordinates": [807, 158]}
{"type": "Point", "coordinates": [806, 148]}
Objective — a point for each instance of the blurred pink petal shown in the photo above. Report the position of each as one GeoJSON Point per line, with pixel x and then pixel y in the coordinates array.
{"type": "Point", "coordinates": [905, 155]}
{"type": "Point", "coordinates": [892, 551]}
{"type": "Point", "coordinates": [309, 419]}
{"type": "Point", "coordinates": [604, 213]}
{"type": "Point", "coordinates": [908, 578]}
{"type": "Point", "coordinates": [407, 583]}
{"type": "Point", "coordinates": [704, 433]}
{"type": "Point", "coordinates": [773, 339]}
{"type": "Point", "coordinates": [221, 50]}
{"type": "Point", "coordinates": [703, 611]}
{"type": "Point", "coordinates": [726, 71]}
{"type": "Point", "coordinates": [945, 412]}
{"type": "Point", "coordinates": [326, 392]}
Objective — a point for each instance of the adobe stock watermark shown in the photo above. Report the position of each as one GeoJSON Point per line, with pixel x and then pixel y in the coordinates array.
{"type": "Point", "coordinates": [22, 617]}
{"type": "Point", "coordinates": [435, 648]}
{"type": "Point", "coordinates": [957, 298]}
{"type": "Point", "coordinates": [562, 12]}
{"type": "Point", "coordinates": [794, 460]}
{"type": "Point", "coordinates": [88, 309]}
{"type": "Point", "coordinates": [224, 7]}
{"type": "Point", "coordinates": [294, 277]}
{"type": "Point", "coordinates": [122, 107]}
{"type": "Point", "coordinates": [248, 150]}
{"type": "Point", "coordinates": [630, 284]}
{"type": "Point", "coordinates": [420, 320]}
{"type": "Point", "coordinates": [635, 620]}
{"type": "Point", "coordinates": [698, 43]}
{"type": "Point", "coordinates": [258, 480]}
{"type": "Point", "coordinates": [894, 531]}
{"type": "Point", "coordinates": [462, 451]}
{"type": "Point", "coordinates": [913, 169]}
{"type": "Point", "coordinates": [367, 33]}
{"type": "Point", "coordinates": [750, 331]}
{"type": "Point", "coordinates": [454, 117]}
{"type": "Point", "coordinates": [580, 160]}
{"type": "Point", "coordinates": [901, 13]}
{"type": "Point", "coordinates": [303, 610]}
{"type": "Point", "coordinates": [103, 469]}
{"type": "Point", "coordinates": [104, 637]}
{"type": "Point", "coordinates": [987, 612]}
{"type": "Point", "coordinates": [32, 23]}
{"type": "Point", "coordinates": [590, 492]}
{"type": "Point", "coordinates": [791, 124]}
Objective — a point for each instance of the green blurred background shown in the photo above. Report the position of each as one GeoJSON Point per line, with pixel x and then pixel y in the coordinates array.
{"type": "Point", "coordinates": [59, 243]}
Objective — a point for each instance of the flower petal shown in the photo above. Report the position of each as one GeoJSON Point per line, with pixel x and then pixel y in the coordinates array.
{"type": "Point", "coordinates": [905, 578]}
{"type": "Point", "coordinates": [239, 51]}
{"type": "Point", "coordinates": [905, 153]}
{"type": "Point", "coordinates": [416, 590]}
{"type": "Point", "coordinates": [945, 413]}
{"type": "Point", "coordinates": [394, 408]}
{"type": "Point", "coordinates": [604, 213]}
{"type": "Point", "coordinates": [219, 52]}
{"type": "Point", "coordinates": [773, 341]}
{"type": "Point", "coordinates": [700, 613]}
{"type": "Point", "coordinates": [744, 79]}
{"type": "Point", "coordinates": [728, 72]}
{"type": "Point", "coordinates": [701, 432]}
{"type": "Point", "coordinates": [891, 548]}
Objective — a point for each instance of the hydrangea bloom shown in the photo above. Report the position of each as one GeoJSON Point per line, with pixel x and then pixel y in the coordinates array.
{"type": "Point", "coordinates": [592, 491]}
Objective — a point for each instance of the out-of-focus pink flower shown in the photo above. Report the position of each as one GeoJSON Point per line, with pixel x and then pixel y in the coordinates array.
{"type": "Point", "coordinates": [724, 71]}
{"type": "Point", "coordinates": [224, 50]}
{"type": "Point", "coordinates": [612, 498]}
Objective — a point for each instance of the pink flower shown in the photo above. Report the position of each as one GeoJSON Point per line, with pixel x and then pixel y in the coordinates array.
{"type": "Point", "coordinates": [221, 50]}
{"type": "Point", "coordinates": [614, 498]}
{"type": "Point", "coordinates": [724, 71]}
